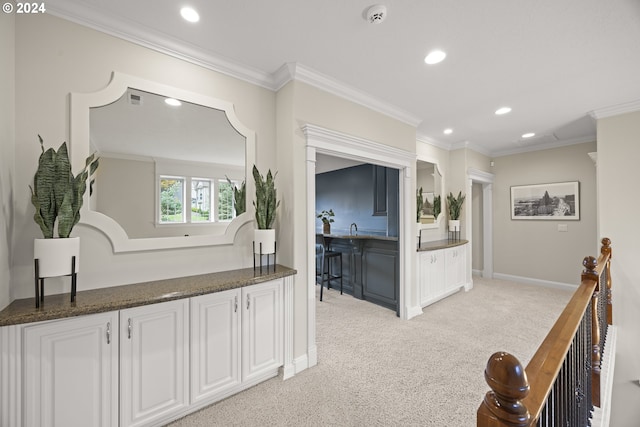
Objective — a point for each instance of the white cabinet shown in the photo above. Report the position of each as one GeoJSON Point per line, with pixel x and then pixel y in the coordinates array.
{"type": "Point", "coordinates": [261, 330]}
{"type": "Point", "coordinates": [215, 345]}
{"type": "Point", "coordinates": [71, 372]}
{"type": "Point", "coordinates": [441, 273]}
{"type": "Point", "coordinates": [455, 275]}
{"type": "Point", "coordinates": [147, 365]}
{"type": "Point", "coordinates": [236, 340]}
{"type": "Point", "coordinates": [431, 275]}
{"type": "Point", "coordinates": [154, 362]}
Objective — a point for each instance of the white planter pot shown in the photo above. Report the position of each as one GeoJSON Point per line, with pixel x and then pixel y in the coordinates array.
{"type": "Point", "coordinates": [54, 256]}
{"type": "Point", "coordinates": [268, 240]}
{"type": "Point", "coordinates": [454, 225]}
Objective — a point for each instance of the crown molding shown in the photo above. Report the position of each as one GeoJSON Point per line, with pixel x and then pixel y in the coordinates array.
{"type": "Point", "coordinates": [160, 42]}
{"type": "Point", "coordinates": [431, 141]}
{"type": "Point", "coordinates": [296, 71]}
{"type": "Point", "coordinates": [615, 110]}
{"type": "Point", "coordinates": [547, 146]}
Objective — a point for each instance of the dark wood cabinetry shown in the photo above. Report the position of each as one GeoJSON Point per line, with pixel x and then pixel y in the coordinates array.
{"type": "Point", "coordinates": [379, 190]}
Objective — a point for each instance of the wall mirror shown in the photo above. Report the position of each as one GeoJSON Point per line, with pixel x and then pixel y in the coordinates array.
{"type": "Point", "coordinates": [166, 159]}
{"type": "Point", "coordinates": [429, 178]}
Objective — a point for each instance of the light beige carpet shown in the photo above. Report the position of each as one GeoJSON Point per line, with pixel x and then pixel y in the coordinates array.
{"type": "Point", "coordinates": [377, 370]}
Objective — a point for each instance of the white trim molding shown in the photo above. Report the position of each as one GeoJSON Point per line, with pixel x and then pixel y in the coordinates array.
{"type": "Point", "coordinates": [80, 104]}
{"type": "Point", "coordinates": [537, 282]}
{"type": "Point", "coordinates": [326, 141]}
{"type": "Point", "coordinates": [615, 110]}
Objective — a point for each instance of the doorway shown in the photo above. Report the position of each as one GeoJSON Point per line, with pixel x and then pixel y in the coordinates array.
{"type": "Point", "coordinates": [324, 141]}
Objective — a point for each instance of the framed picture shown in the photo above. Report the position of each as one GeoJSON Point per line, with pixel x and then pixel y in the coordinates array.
{"type": "Point", "coordinates": [558, 201]}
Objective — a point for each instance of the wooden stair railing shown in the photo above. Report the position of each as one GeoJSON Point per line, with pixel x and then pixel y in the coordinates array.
{"type": "Point", "coordinates": [561, 383]}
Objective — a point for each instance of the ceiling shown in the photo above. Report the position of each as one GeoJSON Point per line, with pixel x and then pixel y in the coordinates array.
{"type": "Point", "coordinates": [554, 62]}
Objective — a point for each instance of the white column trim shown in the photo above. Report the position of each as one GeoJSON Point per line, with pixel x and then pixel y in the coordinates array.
{"type": "Point", "coordinates": [312, 349]}
{"type": "Point", "coordinates": [10, 376]}
{"type": "Point", "coordinates": [288, 365]}
{"type": "Point", "coordinates": [486, 179]}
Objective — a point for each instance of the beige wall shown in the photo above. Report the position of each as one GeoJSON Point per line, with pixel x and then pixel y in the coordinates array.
{"type": "Point", "coordinates": [7, 148]}
{"type": "Point", "coordinates": [55, 57]}
{"type": "Point", "coordinates": [618, 207]}
{"type": "Point", "coordinates": [534, 248]}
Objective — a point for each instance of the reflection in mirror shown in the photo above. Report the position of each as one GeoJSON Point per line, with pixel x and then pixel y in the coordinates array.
{"type": "Point", "coordinates": [429, 178]}
{"type": "Point", "coordinates": [162, 182]}
{"type": "Point", "coordinates": [165, 164]}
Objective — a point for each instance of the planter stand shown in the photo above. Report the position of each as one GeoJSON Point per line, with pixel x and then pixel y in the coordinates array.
{"type": "Point", "coordinates": [40, 281]}
{"type": "Point", "coordinates": [259, 253]}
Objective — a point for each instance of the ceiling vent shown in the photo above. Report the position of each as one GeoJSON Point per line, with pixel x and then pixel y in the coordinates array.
{"type": "Point", "coordinates": [135, 98]}
{"type": "Point", "coordinates": [376, 14]}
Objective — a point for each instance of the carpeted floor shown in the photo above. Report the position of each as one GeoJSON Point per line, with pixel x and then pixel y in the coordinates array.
{"type": "Point", "coordinates": [377, 370]}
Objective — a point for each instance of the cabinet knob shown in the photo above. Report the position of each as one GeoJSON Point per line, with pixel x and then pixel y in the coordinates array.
{"type": "Point", "coordinates": [248, 300]}
{"type": "Point", "coordinates": [235, 308]}
{"type": "Point", "coordinates": [108, 332]}
{"type": "Point", "coordinates": [129, 328]}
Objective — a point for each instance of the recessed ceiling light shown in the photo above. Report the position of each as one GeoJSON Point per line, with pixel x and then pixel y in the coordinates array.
{"type": "Point", "coordinates": [528, 135]}
{"type": "Point", "coordinates": [503, 110]}
{"type": "Point", "coordinates": [173, 102]}
{"type": "Point", "coordinates": [448, 131]}
{"type": "Point", "coordinates": [189, 14]}
{"type": "Point", "coordinates": [434, 57]}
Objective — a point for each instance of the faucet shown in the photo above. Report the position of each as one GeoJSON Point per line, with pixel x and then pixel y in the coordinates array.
{"type": "Point", "coordinates": [353, 224]}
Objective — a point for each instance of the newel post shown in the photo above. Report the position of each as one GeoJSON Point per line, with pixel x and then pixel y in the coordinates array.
{"type": "Point", "coordinates": [589, 273]}
{"type": "Point", "coordinates": [606, 249]}
{"type": "Point", "coordinates": [502, 405]}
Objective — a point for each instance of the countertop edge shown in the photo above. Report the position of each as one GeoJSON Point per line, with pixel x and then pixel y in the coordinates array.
{"type": "Point", "coordinates": [440, 244]}
{"type": "Point", "coordinates": [101, 300]}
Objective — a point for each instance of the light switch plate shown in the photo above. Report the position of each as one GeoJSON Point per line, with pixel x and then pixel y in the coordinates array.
{"type": "Point", "coordinates": [563, 227]}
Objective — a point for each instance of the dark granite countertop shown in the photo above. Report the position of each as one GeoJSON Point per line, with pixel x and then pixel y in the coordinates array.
{"type": "Point", "coordinates": [440, 244]}
{"type": "Point", "coordinates": [125, 296]}
{"type": "Point", "coordinates": [361, 237]}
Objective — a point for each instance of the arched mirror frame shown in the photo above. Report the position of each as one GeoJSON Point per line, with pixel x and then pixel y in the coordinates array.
{"type": "Point", "coordinates": [80, 104]}
{"type": "Point", "coordinates": [436, 165]}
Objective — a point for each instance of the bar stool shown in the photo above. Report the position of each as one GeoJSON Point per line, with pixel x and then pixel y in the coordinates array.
{"type": "Point", "coordinates": [325, 255]}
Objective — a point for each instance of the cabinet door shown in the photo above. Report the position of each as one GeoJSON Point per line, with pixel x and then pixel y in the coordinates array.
{"type": "Point", "coordinates": [215, 342]}
{"type": "Point", "coordinates": [154, 362]}
{"type": "Point", "coordinates": [455, 273]}
{"type": "Point", "coordinates": [71, 372]}
{"type": "Point", "coordinates": [434, 266]}
{"type": "Point", "coordinates": [262, 323]}
{"type": "Point", "coordinates": [379, 190]}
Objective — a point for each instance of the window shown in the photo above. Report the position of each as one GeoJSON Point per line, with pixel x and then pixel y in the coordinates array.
{"type": "Point", "coordinates": [203, 193]}
{"type": "Point", "coordinates": [200, 200]}
{"type": "Point", "coordinates": [225, 201]}
{"type": "Point", "coordinates": [171, 199]}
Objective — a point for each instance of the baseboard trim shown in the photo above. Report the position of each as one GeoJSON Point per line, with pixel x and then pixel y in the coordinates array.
{"type": "Point", "coordinates": [537, 282]}
{"type": "Point", "coordinates": [413, 312]}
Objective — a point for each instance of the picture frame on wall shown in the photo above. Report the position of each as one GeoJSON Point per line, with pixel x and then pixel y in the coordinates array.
{"type": "Point", "coordinates": [559, 201]}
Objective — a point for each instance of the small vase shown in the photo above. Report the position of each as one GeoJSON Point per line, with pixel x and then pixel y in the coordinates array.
{"type": "Point", "coordinates": [266, 238]}
{"type": "Point", "coordinates": [54, 256]}
{"type": "Point", "coordinates": [326, 228]}
{"type": "Point", "coordinates": [454, 225]}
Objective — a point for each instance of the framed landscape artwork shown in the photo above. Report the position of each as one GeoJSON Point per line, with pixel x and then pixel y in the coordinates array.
{"type": "Point", "coordinates": [558, 201]}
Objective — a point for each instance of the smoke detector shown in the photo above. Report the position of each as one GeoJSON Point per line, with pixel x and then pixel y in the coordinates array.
{"type": "Point", "coordinates": [376, 14]}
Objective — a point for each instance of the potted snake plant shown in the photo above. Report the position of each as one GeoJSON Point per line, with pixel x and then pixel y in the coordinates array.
{"type": "Point", "coordinates": [239, 197]}
{"type": "Point", "coordinates": [265, 204]}
{"type": "Point", "coordinates": [57, 196]}
{"type": "Point", "coordinates": [455, 208]}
